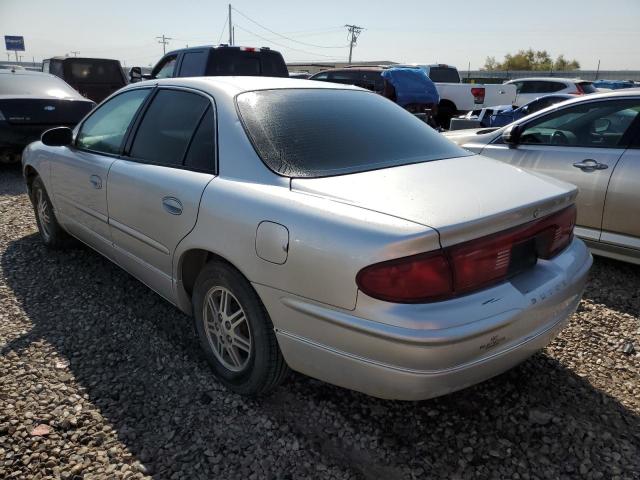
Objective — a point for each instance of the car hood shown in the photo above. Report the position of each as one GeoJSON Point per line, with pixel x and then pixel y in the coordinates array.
{"type": "Point", "coordinates": [462, 198]}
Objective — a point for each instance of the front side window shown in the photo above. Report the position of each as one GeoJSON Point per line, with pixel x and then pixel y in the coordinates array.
{"type": "Point", "coordinates": [324, 132]}
{"type": "Point", "coordinates": [167, 127]}
{"type": "Point", "coordinates": [594, 124]}
{"type": "Point", "coordinates": [165, 69]}
{"type": "Point", "coordinates": [105, 129]}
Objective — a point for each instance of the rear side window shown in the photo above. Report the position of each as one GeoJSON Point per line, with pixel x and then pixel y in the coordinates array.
{"type": "Point", "coordinates": [104, 130]}
{"type": "Point", "coordinates": [167, 127]}
{"type": "Point", "coordinates": [549, 87]}
{"type": "Point", "coordinates": [233, 61]}
{"type": "Point", "coordinates": [444, 75]}
{"type": "Point", "coordinates": [202, 151]}
{"type": "Point", "coordinates": [324, 132]}
{"type": "Point", "coordinates": [193, 63]}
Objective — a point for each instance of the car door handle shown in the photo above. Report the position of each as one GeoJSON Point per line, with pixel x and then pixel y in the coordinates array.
{"type": "Point", "coordinates": [590, 165]}
{"type": "Point", "coordinates": [96, 181]}
{"type": "Point", "coordinates": [172, 205]}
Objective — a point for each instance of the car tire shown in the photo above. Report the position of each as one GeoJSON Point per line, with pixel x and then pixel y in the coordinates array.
{"type": "Point", "coordinates": [444, 115]}
{"type": "Point", "coordinates": [235, 331]}
{"type": "Point", "coordinates": [52, 234]}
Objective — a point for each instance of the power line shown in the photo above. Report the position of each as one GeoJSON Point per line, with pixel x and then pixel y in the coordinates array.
{"type": "Point", "coordinates": [283, 46]}
{"type": "Point", "coordinates": [223, 27]}
{"type": "Point", "coordinates": [164, 41]}
{"type": "Point", "coordinates": [285, 37]}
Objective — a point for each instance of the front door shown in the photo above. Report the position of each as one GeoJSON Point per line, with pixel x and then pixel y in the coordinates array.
{"type": "Point", "coordinates": [154, 195]}
{"type": "Point", "coordinates": [79, 174]}
{"type": "Point", "coordinates": [580, 144]}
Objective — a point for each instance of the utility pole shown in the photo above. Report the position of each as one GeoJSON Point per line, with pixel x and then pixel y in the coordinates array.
{"type": "Point", "coordinates": [164, 41]}
{"type": "Point", "coordinates": [354, 31]}
{"type": "Point", "coordinates": [598, 70]}
{"type": "Point", "coordinates": [230, 27]}
{"type": "Point", "coordinates": [75, 53]}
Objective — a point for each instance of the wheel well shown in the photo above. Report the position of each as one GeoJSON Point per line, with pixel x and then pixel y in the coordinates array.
{"type": "Point", "coordinates": [447, 105]}
{"type": "Point", "coordinates": [30, 175]}
{"type": "Point", "coordinates": [192, 263]}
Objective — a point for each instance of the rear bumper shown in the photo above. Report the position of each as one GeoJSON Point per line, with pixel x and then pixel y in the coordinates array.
{"type": "Point", "coordinates": [414, 352]}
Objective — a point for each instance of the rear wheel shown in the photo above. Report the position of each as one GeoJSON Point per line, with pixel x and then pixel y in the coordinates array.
{"type": "Point", "coordinates": [446, 111]}
{"type": "Point", "coordinates": [51, 232]}
{"type": "Point", "coordinates": [236, 332]}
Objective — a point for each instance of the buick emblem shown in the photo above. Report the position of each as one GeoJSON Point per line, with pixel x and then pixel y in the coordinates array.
{"type": "Point", "coordinates": [49, 108]}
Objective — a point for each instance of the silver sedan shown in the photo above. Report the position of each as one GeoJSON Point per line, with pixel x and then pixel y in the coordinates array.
{"type": "Point", "coordinates": [592, 142]}
{"type": "Point", "coordinates": [315, 227]}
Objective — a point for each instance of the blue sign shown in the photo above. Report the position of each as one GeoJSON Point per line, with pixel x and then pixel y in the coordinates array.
{"type": "Point", "coordinates": [14, 43]}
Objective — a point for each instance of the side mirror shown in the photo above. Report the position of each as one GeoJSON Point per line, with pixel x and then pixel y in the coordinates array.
{"type": "Point", "coordinates": [57, 137]}
{"type": "Point", "coordinates": [135, 74]}
{"type": "Point", "coordinates": [511, 135]}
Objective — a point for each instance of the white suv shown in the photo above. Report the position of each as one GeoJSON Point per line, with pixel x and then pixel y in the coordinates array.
{"type": "Point", "coordinates": [529, 89]}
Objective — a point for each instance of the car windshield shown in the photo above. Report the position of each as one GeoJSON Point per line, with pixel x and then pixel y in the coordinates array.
{"type": "Point", "coordinates": [37, 84]}
{"type": "Point", "coordinates": [324, 132]}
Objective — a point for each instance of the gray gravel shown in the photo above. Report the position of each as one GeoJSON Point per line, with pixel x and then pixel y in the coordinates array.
{"type": "Point", "coordinates": [100, 378]}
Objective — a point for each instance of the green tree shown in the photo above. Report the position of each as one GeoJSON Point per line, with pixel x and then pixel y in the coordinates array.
{"type": "Point", "coordinates": [531, 60]}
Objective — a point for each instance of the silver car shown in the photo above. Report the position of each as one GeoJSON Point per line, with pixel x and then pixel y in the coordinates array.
{"type": "Point", "coordinates": [592, 142]}
{"type": "Point", "coordinates": [316, 227]}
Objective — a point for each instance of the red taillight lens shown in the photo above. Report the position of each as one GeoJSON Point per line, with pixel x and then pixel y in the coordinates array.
{"type": "Point", "coordinates": [468, 266]}
{"type": "Point", "coordinates": [478, 94]}
{"type": "Point", "coordinates": [423, 277]}
{"type": "Point", "coordinates": [580, 90]}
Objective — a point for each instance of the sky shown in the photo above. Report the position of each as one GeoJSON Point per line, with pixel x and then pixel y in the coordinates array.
{"type": "Point", "coordinates": [455, 32]}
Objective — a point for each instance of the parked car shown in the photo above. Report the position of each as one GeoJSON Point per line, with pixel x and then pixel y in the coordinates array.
{"type": "Point", "coordinates": [316, 227]}
{"type": "Point", "coordinates": [457, 97]}
{"type": "Point", "coordinates": [592, 142]}
{"type": "Point", "coordinates": [221, 60]}
{"type": "Point", "coordinates": [528, 89]}
{"type": "Point", "coordinates": [32, 102]}
{"type": "Point", "coordinates": [94, 78]}
{"type": "Point", "coordinates": [613, 84]}
{"type": "Point", "coordinates": [504, 114]}
{"type": "Point", "coordinates": [453, 98]}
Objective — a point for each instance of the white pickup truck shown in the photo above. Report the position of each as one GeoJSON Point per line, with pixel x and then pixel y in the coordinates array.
{"type": "Point", "coordinates": [457, 97]}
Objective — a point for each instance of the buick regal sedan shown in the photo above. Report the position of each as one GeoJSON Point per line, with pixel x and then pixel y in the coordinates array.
{"type": "Point", "coordinates": [594, 143]}
{"type": "Point", "coordinates": [316, 227]}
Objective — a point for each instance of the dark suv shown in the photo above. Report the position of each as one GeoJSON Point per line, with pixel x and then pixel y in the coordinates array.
{"type": "Point", "coordinates": [94, 78]}
{"type": "Point", "coordinates": [216, 61]}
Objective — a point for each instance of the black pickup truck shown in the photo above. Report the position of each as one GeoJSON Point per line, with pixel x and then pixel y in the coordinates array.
{"type": "Point", "coordinates": [214, 61]}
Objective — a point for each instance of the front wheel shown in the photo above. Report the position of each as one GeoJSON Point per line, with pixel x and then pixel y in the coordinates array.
{"type": "Point", "coordinates": [236, 332]}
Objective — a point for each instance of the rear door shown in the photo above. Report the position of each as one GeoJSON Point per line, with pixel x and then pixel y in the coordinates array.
{"type": "Point", "coordinates": [79, 173]}
{"type": "Point", "coordinates": [154, 194]}
{"type": "Point", "coordinates": [621, 219]}
{"type": "Point", "coordinates": [580, 144]}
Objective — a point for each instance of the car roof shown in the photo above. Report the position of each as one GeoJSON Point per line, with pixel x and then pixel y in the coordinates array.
{"type": "Point", "coordinates": [10, 71]}
{"type": "Point", "coordinates": [353, 69]}
{"type": "Point", "coordinates": [222, 46]}
{"type": "Point", "coordinates": [548, 79]}
{"type": "Point", "coordinates": [234, 85]}
{"type": "Point", "coordinates": [83, 59]}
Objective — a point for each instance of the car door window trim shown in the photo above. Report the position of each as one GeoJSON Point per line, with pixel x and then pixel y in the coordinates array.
{"type": "Point", "coordinates": [126, 134]}
{"type": "Point", "coordinates": [126, 154]}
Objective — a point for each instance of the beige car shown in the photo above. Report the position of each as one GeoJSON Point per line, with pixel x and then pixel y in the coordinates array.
{"type": "Point", "coordinates": [592, 142]}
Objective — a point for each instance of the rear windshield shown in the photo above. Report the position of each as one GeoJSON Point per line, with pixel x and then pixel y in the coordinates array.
{"type": "Point", "coordinates": [587, 87]}
{"type": "Point", "coordinates": [41, 84]}
{"type": "Point", "coordinates": [239, 62]}
{"type": "Point", "coordinates": [444, 75]}
{"type": "Point", "coordinates": [324, 132]}
{"type": "Point", "coordinates": [92, 71]}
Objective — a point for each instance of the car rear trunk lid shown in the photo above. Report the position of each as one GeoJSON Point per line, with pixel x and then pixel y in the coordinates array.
{"type": "Point", "coordinates": [462, 198]}
{"type": "Point", "coordinates": [43, 111]}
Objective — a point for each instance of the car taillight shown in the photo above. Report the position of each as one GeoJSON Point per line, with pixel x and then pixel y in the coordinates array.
{"type": "Point", "coordinates": [469, 266]}
{"type": "Point", "coordinates": [579, 90]}
{"type": "Point", "coordinates": [478, 94]}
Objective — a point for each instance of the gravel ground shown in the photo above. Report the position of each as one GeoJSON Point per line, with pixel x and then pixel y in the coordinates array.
{"type": "Point", "coordinates": [100, 378]}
